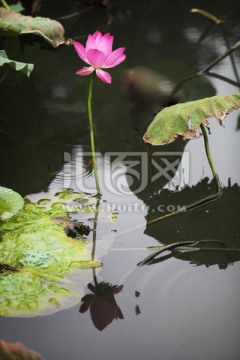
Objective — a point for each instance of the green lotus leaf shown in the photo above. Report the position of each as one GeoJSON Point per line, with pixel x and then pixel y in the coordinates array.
{"type": "Point", "coordinates": [10, 203]}
{"type": "Point", "coordinates": [51, 30]}
{"type": "Point", "coordinates": [184, 119]}
{"type": "Point", "coordinates": [42, 270]}
{"type": "Point", "coordinates": [25, 68]}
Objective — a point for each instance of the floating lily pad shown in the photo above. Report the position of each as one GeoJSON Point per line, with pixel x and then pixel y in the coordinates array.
{"type": "Point", "coordinates": [70, 195]}
{"type": "Point", "coordinates": [51, 30]}
{"type": "Point", "coordinates": [10, 203]}
{"type": "Point", "coordinates": [42, 269]}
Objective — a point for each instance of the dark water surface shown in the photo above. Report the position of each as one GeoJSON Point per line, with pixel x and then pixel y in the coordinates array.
{"type": "Point", "coordinates": [185, 305]}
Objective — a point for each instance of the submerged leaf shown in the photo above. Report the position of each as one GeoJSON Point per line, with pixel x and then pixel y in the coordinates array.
{"type": "Point", "coordinates": [10, 203]}
{"type": "Point", "coordinates": [51, 30]}
{"type": "Point", "coordinates": [184, 119]}
{"type": "Point", "coordinates": [25, 68]}
{"type": "Point", "coordinates": [14, 351]}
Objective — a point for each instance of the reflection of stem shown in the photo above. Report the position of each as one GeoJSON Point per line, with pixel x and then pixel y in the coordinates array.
{"type": "Point", "coordinates": [184, 246]}
{"type": "Point", "coordinates": [77, 13]}
{"type": "Point", "coordinates": [224, 78]}
{"type": "Point", "coordinates": [219, 58]}
{"type": "Point", "coordinates": [5, 4]}
{"type": "Point", "coordinates": [204, 200]}
{"type": "Point", "coordinates": [206, 69]}
{"type": "Point", "coordinates": [181, 82]}
{"type": "Point", "coordinates": [205, 33]}
{"type": "Point", "coordinates": [94, 241]}
{"type": "Point", "coordinates": [188, 243]}
{"type": "Point", "coordinates": [231, 56]}
{"type": "Point", "coordinates": [92, 133]}
{"type": "Point", "coordinates": [218, 22]}
{"type": "Point", "coordinates": [95, 228]}
{"type": "Point", "coordinates": [94, 276]}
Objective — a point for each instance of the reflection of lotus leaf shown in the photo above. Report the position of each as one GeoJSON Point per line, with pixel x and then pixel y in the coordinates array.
{"type": "Point", "coordinates": [217, 221]}
{"type": "Point", "coordinates": [37, 259]}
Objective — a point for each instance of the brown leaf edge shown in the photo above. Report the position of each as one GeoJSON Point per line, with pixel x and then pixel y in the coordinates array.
{"type": "Point", "coordinates": [16, 17]}
{"type": "Point", "coordinates": [14, 351]}
{"type": "Point", "coordinates": [54, 43]}
{"type": "Point", "coordinates": [193, 134]}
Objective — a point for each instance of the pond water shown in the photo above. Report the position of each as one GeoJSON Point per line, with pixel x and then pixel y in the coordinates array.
{"type": "Point", "coordinates": [184, 305]}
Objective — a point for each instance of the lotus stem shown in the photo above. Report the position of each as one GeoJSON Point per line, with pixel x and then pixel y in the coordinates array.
{"type": "Point", "coordinates": [204, 200]}
{"type": "Point", "coordinates": [90, 118]}
{"type": "Point", "coordinates": [210, 160]}
{"type": "Point", "coordinates": [95, 229]}
{"type": "Point", "coordinates": [94, 241]}
{"type": "Point", "coordinates": [5, 4]}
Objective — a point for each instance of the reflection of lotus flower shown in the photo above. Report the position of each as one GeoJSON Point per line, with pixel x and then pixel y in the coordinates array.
{"type": "Point", "coordinates": [102, 304]}
{"type": "Point", "coordinates": [98, 54]}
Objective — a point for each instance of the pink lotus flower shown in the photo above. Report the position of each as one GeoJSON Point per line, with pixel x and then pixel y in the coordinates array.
{"type": "Point", "coordinates": [99, 55]}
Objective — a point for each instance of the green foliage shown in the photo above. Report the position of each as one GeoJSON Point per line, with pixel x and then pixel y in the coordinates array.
{"type": "Point", "coordinates": [184, 119]}
{"type": "Point", "coordinates": [68, 194]}
{"type": "Point", "coordinates": [10, 203]}
{"type": "Point", "coordinates": [25, 68]}
{"type": "Point", "coordinates": [15, 23]}
{"type": "Point", "coordinates": [36, 255]}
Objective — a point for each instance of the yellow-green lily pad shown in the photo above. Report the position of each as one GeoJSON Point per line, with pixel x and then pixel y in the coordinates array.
{"type": "Point", "coordinates": [42, 269]}
{"type": "Point", "coordinates": [10, 203]}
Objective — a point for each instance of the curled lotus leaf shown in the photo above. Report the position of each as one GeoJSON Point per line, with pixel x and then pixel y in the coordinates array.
{"type": "Point", "coordinates": [51, 30]}
{"type": "Point", "coordinates": [185, 119]}
{"type": "Point", "coordinates": [25, 68]}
